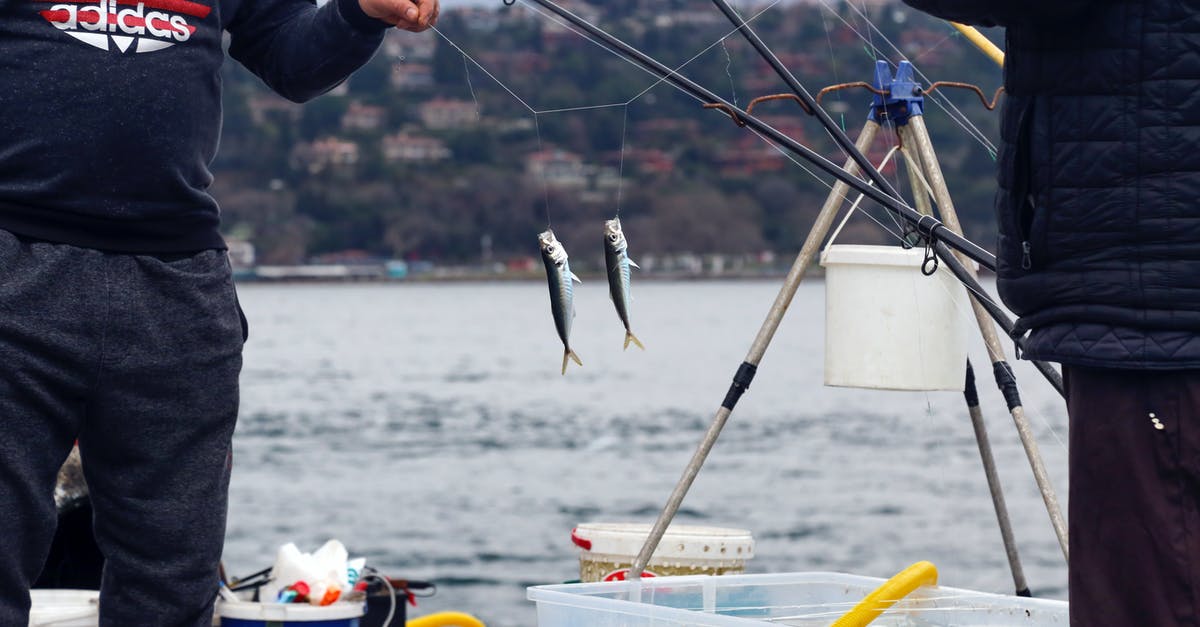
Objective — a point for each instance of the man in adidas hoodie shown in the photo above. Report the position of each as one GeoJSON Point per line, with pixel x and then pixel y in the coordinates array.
{"type": "Point", "coordinates": [119, 324]}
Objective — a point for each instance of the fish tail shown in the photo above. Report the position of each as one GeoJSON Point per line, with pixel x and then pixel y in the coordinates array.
{"type": "Point", "coordinates": [630, 337]}
{"type": "Point", "coordinates": [569, 354]}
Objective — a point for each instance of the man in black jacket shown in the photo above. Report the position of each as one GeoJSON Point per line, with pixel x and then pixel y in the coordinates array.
{"type": "Point", "coordinates": [119, 324]}
{"type": "Point", "coordinates": [1099, 255]}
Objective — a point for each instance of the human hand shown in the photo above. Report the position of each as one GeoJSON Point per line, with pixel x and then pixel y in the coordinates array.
{"type": "Point", "coordinates": [410, 15]}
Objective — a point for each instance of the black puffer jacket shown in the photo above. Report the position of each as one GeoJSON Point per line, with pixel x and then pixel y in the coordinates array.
{"type": "Point", "coordinates": [1099, 202]}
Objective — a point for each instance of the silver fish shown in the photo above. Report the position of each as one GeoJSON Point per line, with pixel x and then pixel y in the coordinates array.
{"type": "Point", "coordinates": [562, 294]}
{"type": "Point", "coordinates": [616, 259]}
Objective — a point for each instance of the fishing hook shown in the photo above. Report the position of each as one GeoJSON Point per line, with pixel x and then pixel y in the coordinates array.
{"type": "Point", "coordinates": [867, 86]}
{"type": "Point", "coordinates": [979, 92]}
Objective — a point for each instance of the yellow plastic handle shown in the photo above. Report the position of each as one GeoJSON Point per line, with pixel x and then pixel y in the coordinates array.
{"type": "Point", "coordinates": [445, 619]}
{"type": "Point", "coordinates": [886, 595]}
{"type": "Point", "coordinates": [981, 42]}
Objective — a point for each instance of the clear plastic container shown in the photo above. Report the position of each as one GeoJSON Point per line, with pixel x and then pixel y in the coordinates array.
{"type": "Point", "coordinates": [814, 599]}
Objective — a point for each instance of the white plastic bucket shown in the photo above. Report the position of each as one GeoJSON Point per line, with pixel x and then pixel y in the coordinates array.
{"type": "Point", "coordinates": [608, 550]}
{"type": "Point", "coordinates": [246, 614]}
{"type": "Point", "coordinates": [887, 325]}
{"type": "Point", "coordinates": [64, 608]}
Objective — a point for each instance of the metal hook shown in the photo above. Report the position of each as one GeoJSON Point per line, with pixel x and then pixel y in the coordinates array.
{"type": "Point", "coordinates": [727, 110]}
{"type": "Point", "coordinates": [803, 105]}
{"type": "Point", "coordinates": [867, 86]}
{"type": "Point", "coordinates": [978, 92]}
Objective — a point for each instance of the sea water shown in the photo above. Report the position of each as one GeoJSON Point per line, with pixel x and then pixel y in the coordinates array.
{"type": "Point", "coordinates": [427, 426]}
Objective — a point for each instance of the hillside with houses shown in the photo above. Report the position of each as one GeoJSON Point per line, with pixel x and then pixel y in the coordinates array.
{"type": "Point", "coordinates": [434, 158]}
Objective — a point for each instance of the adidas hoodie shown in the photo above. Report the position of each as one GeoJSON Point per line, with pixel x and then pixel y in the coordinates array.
{"type": "Point", "coordinates": [110, 110]}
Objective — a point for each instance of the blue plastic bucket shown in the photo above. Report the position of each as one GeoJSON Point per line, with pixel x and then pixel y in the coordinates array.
{"type": "Point", "coordinates": [244, 614]}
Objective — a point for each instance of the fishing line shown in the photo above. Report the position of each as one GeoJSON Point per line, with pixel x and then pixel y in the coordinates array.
{"type": "Point", "coordinates": [952, 35]}
{"type": "Point", "coordinates": [583, 108]}
{"type": "Point", "coordinates": [485, 70]}
{"type": "Point", "coordinates": [894, 138]}
{"type": "Point", "coordinates": [833, 64]}
{"type": "Point", "coordinates": [467, 70]}
{"type": "Point", "coordinates": [621, 167]}
{"type": "Point", "coordinates": [537, 125]}
{"type": "Point", "coordinates": [870, 42]}
{"type": "Point", "coordinates": [861, 196]}
{"type": "Point", "coordinates": [787, 155]}
{"type": "Point", "coordinates": [538, 112]}
{"type": "Point", "coordinates": [674, 71]}
{"type": "Point", "coordinates": [556, 20]}
{"type": "Point", "coordinates": [729, 73]}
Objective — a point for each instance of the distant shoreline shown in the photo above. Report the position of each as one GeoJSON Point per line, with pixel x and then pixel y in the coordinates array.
{"type": "Point", "coordinates": [480, 277]}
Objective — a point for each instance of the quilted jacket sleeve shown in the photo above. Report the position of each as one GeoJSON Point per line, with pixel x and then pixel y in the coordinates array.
{"type": "Point", "coordinates": [1002, 12]}
{"type": "Point", "coordinates": [300, 50]}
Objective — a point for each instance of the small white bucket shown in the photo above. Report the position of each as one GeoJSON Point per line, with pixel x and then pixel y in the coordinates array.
{"type": "Point", "coordinates": [64, 608]}
{"type": "Point", "coordinates": [609, 550]}
{"type": "Point", "coordinates": [246, 614]}
{"type": "Point", "coordinates": [887, 325]}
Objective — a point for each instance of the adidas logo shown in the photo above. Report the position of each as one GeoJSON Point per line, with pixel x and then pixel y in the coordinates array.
{"type": "Point", "coordinates": [127, 25]}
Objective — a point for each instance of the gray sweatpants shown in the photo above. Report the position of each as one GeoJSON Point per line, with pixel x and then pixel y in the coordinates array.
{"type": "Point", "coordinates": [138, 357]}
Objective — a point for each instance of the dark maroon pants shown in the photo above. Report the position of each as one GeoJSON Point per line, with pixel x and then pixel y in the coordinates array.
{"type": "Point", "coordinates": [1134, 497]}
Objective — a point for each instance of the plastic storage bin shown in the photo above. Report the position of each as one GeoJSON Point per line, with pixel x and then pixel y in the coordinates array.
{"type": "Point", "coordinates": [814, 599]}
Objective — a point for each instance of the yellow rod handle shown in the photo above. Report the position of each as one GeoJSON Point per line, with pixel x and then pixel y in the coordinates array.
{"type": "Point", "coordinates": [445, 619]}
{"type": "Point", "coordinates": [981, 42]}
{"type": "Point", "coordinates": [886, 595]}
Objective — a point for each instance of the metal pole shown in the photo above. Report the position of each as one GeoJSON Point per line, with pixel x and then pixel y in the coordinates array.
{"type": "Point", "coordinates": [993, 480]}
{"type": "Point", "coordinates": [916, 134]}
{"type": "Point", "coordinates": [812, 244]}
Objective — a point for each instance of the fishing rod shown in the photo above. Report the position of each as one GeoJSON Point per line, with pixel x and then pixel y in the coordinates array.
{"type": "Point", "coordinates": [931, 229]}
